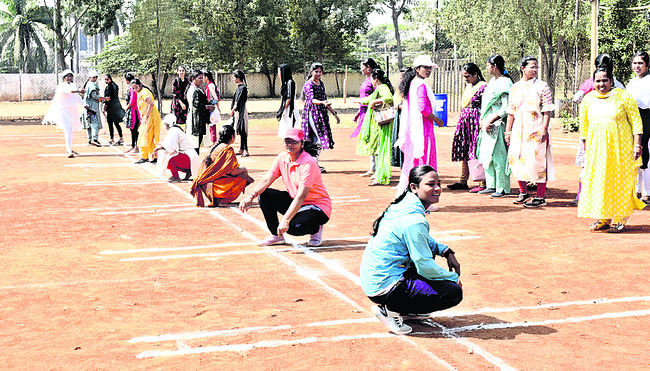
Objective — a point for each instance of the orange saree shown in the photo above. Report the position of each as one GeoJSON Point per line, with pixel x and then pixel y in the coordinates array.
{"type": "Point", "coordinates": [215, 180]}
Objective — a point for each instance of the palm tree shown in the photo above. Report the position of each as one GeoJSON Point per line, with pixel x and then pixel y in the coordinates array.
{"type": "Point", "coordinates": [22, 34]}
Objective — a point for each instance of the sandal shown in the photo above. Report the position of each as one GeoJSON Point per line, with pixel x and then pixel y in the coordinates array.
{"type": "Point", "coordinates": [598, 226]}
{"type": "Point", "coordinates": [616, 228]}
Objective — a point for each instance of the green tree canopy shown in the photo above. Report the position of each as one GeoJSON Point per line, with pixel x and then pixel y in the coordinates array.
{"type": "Point", "coordinates": [23, 26]}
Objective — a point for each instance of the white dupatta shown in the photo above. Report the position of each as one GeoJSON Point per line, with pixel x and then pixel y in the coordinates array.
{"type": "Point", "coordinates": [412, 123]}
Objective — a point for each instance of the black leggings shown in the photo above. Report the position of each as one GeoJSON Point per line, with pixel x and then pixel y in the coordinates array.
{"type": "Point", "coordinates": [198, 149]}
{"type": "Point", "coordinates": [134, 137]}
{"type": "Point", "coordinates": [305, 222]}
{"type": "Point", "coordinates": [117, 125]}
{"type": "Point", "coordinates": [244, 142]}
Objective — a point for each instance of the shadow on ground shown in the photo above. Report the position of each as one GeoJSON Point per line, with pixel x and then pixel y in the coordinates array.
{"type": "Point", "coordinates": [477, 326]}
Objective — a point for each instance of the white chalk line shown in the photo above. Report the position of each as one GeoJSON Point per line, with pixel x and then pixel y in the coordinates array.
{"type": "Point", "coordinates": [349, 201]}
{"type": "Point", "coordinates": [84, 154]}
{"type": "Point", "coordinates": [296, 247]}
{"type": "Point", "coordinates": [473, 347]}
{"type": "Point", "coordinates": [259, 345]}
{"type": "Point", "coordinates": [494, 326]}
{"type": "Point", "coordinates": [99, 166]}
{"type": "Point", "coordinates": [545, 306]}
{"type": "Point", "coordinates": [137, 207]}
{"type": "Point", "coordinates": [336, 267]}
{"type": "Point", "coordinates": [200, 247]}
{"type": "Point", "coordinates": [242, 331]}
{"type": "Point", "coordinates": [71, 283]}
{"type": "Point", "coordinates": [162, 211]}
{"type": "Point", "coordinates": [116, 183]}
{"type": "Point", "coordinates": [300, 269]}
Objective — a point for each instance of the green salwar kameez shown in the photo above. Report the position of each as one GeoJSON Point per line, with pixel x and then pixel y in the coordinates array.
{"type": "Point", "coordinates": [492, 150]}
{"type": "Point", "coordinates": [375, 139]}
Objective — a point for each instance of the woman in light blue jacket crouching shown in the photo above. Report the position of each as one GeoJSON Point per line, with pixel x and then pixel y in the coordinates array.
{"type": "Point", "coordinates": [398, 271]}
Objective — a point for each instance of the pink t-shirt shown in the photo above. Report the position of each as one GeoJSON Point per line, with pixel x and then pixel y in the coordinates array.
{"type": "Point", "coordinates": [305, 172]}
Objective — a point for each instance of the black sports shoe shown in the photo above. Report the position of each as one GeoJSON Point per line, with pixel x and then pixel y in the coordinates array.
{"type": "Point", "coordinates": [458, 185]}
{"type": "Point", "coordinates": [142, 161]}
{"type": "Point", "coordinates": [522, 198]}
{"type": "Point", "coordinates": [536, 202]}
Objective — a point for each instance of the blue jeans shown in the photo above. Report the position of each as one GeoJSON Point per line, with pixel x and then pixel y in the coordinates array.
{"type": "Point", "coordinates": [414, 294]}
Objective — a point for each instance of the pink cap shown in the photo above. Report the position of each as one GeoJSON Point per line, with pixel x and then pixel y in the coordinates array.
{"type": "Point", "coordinates": [295, 134]}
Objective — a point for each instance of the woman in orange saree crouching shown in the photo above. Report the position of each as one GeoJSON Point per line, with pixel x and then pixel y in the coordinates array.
{"type": "Point", "coordinates": [220, 177]}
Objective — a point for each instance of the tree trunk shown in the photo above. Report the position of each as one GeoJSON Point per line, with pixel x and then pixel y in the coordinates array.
{"type": "Point", "coordinates": [267, 73]}
{"type": "Point", "coordinates": [58, 30]}
{"type": "Point", "coordinates": [398, 39]}
{"type": "Point", "coordinates": [163, 86]}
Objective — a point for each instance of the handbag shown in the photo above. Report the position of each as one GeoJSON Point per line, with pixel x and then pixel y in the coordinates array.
{"type": "Point", "coordinates": [476, 171]}
{"type": "Point", "coordinates": [385, 114]}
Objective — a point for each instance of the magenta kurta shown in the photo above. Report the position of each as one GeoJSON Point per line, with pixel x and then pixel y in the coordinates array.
{"type": "Point", "coordinates": [418, 143]}
{"type": "Point", "coordinates": [365, 90]}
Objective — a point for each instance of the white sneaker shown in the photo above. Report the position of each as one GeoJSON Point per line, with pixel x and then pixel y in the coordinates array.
{"type": "Point", "coordinates": [316, 238]}
{"type": "Point", "coordinates": [272, 240]}
{"type": "Point", "coordinates": [417, 315]}
{"type": "Point", "coordinates": [392, 320]}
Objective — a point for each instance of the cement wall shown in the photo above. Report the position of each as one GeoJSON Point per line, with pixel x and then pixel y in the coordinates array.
{"type": "Point", "coordinates": [24, 87]}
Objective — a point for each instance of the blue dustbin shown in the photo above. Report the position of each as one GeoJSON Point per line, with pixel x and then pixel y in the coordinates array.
{"type": "Point", "coordinates": [441, 107]}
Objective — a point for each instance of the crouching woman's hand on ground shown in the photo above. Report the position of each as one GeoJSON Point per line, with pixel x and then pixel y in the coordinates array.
{"type": "Point", "coordinates": [246, 203]}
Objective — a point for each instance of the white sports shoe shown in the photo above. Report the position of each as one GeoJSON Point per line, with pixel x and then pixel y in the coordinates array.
{"type": "Point", "coordinates": [392, 320]}
{"type": "Point", "coordinates": [316, 238]}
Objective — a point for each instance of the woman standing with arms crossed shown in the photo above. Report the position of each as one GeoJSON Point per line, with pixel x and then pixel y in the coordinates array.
{"type": "Point", "coordinates": [199, 111]}
{"type": "Point", "coordinates": [132, 117]}
{"type": "Point", "coordinates": [315, 122]}
{"type": "Point", "coordinates": [367, 66]}
{"type": "Point", "coordinates": [238, 111]}
{"type": "Point", "coordinates": [469, 125]}
{"type": "Point", "coordinates": [375, 140]}
{"type": "Point", "coordinates": [287, 113]}
{"type": "Point", "coordinates": [610, 128]}
{"type": "Point", "coordinates": [149, 132]}
{"type": "Point", "coordinates": [398, 270]}
{"type": "Point", "coordinates": [179, 99]}
{"type": "Point", "coordinates": [416, 138]}
{"type": "Point", "coordinates": [212, 93]}
{"type": "Point", "coordinates": [639, 87]}
{"type": "Point", "coordinates": [529, 115]}
{"type": "Point", "coordinates": [91, 121]}
{"type": "Point", "coordinates": [113, 109]}
{"type": "Point", "coordinates": [492, 149]}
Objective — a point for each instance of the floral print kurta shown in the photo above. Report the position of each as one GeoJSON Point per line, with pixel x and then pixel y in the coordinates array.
{"type": "Point", "coordinates": [530, 158]}
{"type": "Point", "coordinates": [315, 122]}
{"type": "Point", "coordinates": [608, 123]}
{"type": "Point", "coordinates": [179, 87]}
{"type": "Point", "coordinates": [469, 126]}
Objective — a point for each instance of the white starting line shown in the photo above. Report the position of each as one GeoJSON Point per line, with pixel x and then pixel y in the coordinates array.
{"type": "Point", "coordinates": [441, 236]}
{"type": "Point", "coordinates": [452, 332]}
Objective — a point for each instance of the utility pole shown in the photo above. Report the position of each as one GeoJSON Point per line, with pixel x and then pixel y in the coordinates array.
{"type": "Point", "coordinates": [594, 33]}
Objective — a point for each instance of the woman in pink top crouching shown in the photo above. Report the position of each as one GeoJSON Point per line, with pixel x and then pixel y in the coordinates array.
{"type": "Point", "coordinates": [305, 205]}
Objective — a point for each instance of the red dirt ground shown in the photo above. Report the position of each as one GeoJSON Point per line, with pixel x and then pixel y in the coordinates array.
{"type": "Point", "coordinates": [106, 266]}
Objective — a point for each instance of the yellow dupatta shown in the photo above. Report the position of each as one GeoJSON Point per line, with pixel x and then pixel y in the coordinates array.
{"type": "Point", "coordinates": [469, 93]}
